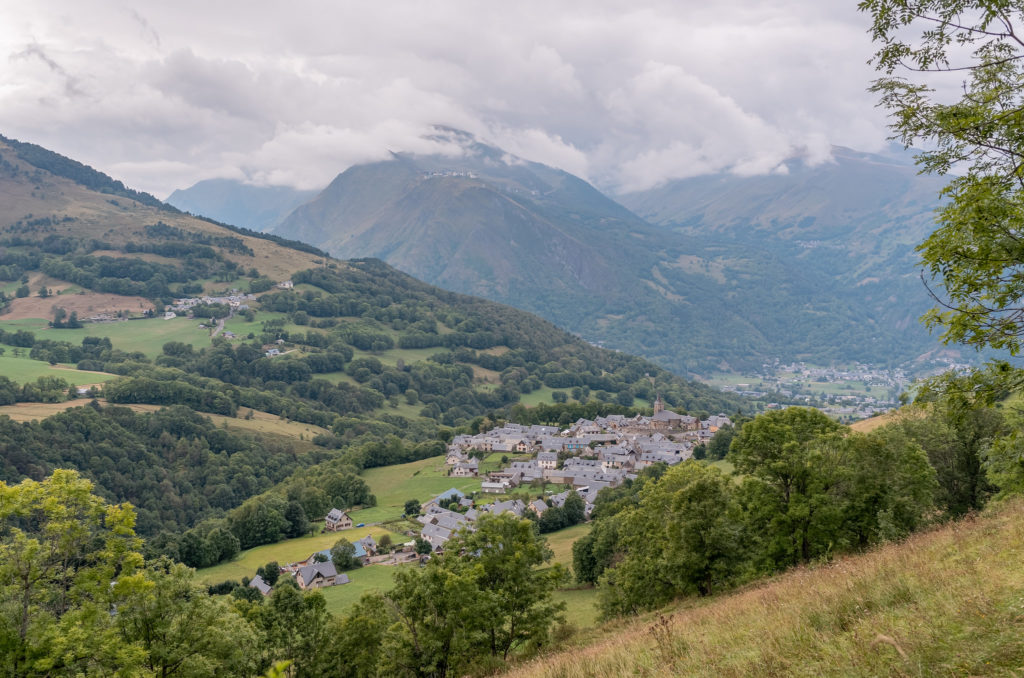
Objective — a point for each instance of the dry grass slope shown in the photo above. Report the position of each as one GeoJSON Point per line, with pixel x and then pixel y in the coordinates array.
{"type": "Point", "coordinates": [119, 219]}
{"type": "Point", "coordinates": [946, 603]}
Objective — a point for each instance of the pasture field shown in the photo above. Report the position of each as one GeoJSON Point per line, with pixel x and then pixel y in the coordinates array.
{"type": "Point", "coordinates": [871, 423]}
{"type": "Point", "coordinates": [580, 606]}
{"type": "Point", "coordinates": [541, 395]}
{"type": "Point", "coordinates": [561, 542]}
{"type": "Point", "coordinates": [724, 466]}
{"type": "Point", "coordinates": [264, 423]}
{"type": "Point", "coordinates": [287, 551]}
{"type": "Point", "coordinates": [394, 485]}
{"type": "Point", "coordinates": [146, 335]}
{"type": "Point", "coordinates": [580, 603]}
{"type": "Point", "coordinates": [21, 369]}
{"type": "Point", "coordinates": [392, 356]}
{"type": "Point", "coordinates": [36, 411]}
{"type": "Point", "coordinates": [368, 579]}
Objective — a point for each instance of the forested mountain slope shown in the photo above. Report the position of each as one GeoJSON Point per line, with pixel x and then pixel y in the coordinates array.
{"type": "Point", "coordinates": [385, 366]}
{"type": "Point", "coordinates": [816, 265]}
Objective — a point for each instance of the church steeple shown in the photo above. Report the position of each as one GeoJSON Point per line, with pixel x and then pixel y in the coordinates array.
{"type": "Point", "coordinates": [659, 404]}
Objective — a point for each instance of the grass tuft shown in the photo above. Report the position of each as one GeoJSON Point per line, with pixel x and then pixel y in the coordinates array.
{"type": "Point", "coordinates": [949, 602]}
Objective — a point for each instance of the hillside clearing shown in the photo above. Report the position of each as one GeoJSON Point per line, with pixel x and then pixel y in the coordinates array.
{"type": "Point", "coordinates": [262, 423]}
{"type": "Point", "coordinates": [561, 542]}
{"type": "Point", "coordinates": [947, 602]}
{"type": "Point", "coordinates": [85, 304]}
{"type": "Point", "coordinates": [36, 411]}
{"type": "Point", "coordinates": [870, 424]}
{"type": "Point", "coordinates": [287, 551]}
{"type": "Point", "coordinates": [394, 485]}
{"type": "Point", "coordinates": [21, 369]}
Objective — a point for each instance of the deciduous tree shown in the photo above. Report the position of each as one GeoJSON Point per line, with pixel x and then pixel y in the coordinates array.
{"type": "Point", "coordinates": [951, 74]}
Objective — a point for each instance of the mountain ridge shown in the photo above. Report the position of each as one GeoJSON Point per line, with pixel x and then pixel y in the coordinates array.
{"type": "Point", "coordinates": [738, 277]}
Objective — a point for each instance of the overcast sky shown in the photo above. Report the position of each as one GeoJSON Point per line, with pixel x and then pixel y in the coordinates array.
{"type": "Point", "coordinates": [625, 94]}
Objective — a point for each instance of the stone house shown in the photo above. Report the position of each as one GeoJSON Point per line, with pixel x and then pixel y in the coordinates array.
{"type": "Point", "coordinates": [319, 575]}
{"type": "Point", "coordinates": [337, 520]}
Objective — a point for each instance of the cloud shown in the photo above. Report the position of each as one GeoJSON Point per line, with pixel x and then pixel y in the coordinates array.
{"type": "Point", "coordinates": [625, 94]}
{"type": "Point", "coordinates": [36, 52]}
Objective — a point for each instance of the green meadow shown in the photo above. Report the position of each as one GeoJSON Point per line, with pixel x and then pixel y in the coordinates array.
{"type": "Point", "coordinates": [145, 335]}
{"type": "Point", "coordinates": [362, 580]}
{"type": "Point", "coordinates": [283, 552]}
{"type": "Point", "coordinates": [21, 369]}
{"type": "Point", "coordinates": [394, 485]}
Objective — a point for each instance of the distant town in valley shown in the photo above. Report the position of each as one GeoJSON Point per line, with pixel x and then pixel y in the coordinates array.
{"type": "Point", "coordinates": [848, 392]}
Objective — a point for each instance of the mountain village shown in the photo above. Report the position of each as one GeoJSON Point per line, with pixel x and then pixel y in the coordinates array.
{"type": "Point", "coordinates": [587, 457]}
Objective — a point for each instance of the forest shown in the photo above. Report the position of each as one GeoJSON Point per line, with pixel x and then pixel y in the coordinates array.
{"type": "Point", "coordinates": [805, 489]}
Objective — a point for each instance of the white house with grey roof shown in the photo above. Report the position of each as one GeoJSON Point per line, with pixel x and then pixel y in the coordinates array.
{"type": "Point", "coordinates": [547, 459]}
{"type": "Point", "coordinates": [337, 520]}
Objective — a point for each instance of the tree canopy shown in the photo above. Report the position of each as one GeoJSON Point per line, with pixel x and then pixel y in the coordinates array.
{"type": "Point", "coordinates": [951, 74]}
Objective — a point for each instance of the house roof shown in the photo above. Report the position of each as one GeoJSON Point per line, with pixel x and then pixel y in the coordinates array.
{"type": "Point", "coordinates": [335, 514]}
{"type": "Point", "coordinates": [260, 585]}
{"type": "Point", "coordinates": [448, 494]}
{"type": "Point", "coordinates": [325, 569]}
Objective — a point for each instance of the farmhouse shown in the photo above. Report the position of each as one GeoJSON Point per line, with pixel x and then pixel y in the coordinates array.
{"type": "Point", "coordinates": [337, 520]}
{"type": "Point", "coordinates": [319, 575]}
{"type": "Point", "coordinates": [466, 469]}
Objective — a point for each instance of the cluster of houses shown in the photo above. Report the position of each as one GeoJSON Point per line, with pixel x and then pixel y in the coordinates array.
{"type": "Point", "coordinates": [589, 455]}
{"type": "Point", "coordinates": [440, 522]}
{"type": "Point", "coordinates": [235, 299]}
{"type": "Point", "coordinates": [318, 570]}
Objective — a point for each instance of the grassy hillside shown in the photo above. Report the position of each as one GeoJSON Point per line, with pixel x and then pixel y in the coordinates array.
{"type": "Point", "coordinates": [45, 195]}
{"type": "Point", "coordinates": [394, 485]}
{"type": "Point", "coordinates": [949, 602]}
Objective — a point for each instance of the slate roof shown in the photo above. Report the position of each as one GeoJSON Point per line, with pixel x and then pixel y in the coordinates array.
{"type": "Point", "coordinates": [325, 569]}
{"type": "Point", "coordinates": [448, 494]}
{"type": "Point", "coordinates": [260, 585]}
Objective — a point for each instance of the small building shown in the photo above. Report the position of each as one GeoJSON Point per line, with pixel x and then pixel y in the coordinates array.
{"type": "Point", "coordinates": [337, 520]}
{"type": "Point", "coordinates": [285, 285]}
{"type": "Point", "coordinates": [446, 496]}
{"type": "Point", "coordinates": [319, 575]}
{"type": "Point", "coordinates": [547, 460]}
{"type": "Point", "coordinates": [170, 315]}
{"type": "Point", "coordinates": [467, 469]}
{"type": "Point", "coordinates": [260, 585]}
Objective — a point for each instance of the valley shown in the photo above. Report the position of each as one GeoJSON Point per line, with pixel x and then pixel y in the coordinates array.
{"type": "Point", "coordinates": [680, 279]}
{"type": "Point", "coordinates": [237, 389]}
